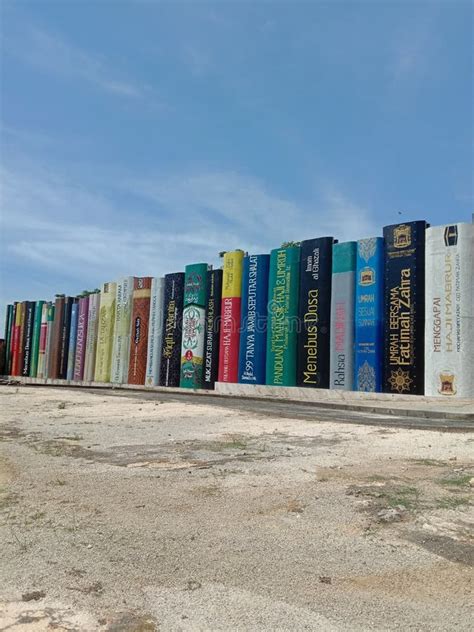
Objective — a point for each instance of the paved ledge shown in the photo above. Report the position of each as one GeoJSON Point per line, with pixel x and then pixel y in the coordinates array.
{"type": "Point", "coordinates": [375, 403]}
{"type": "Point", "coordinates": [381, 403]}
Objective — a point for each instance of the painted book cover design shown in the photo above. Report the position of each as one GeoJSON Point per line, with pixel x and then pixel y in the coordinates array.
{"type": "Point", "coordinates": [404, 307]}
{"type": "Point", "coordinates": [42, 340]}
{"type": "Point", "coordinates": [49, 340]}
{"type": "Point", "coordinates": [449, 302]}
{"type": "Point", "coordinates": [55, 349]}
{"type": "Point", "coordinates": [253, 324]}
{"type": "Point", "coordinates": [172, 324]}
{"type": "Point", "coordinates": [105, 332]}
{"type": "Point", "coordinates": [155, 332]}
{"type": "Point", "coordinates": [139, 330]}
{"type": "Point", "coordinates": [8, 338]}
{"type": "Point", "coordinates": [282, 324]}
{"type": "Point", "coordinates": [123, 315]}
{"type": "Point", "coordinates": [314, 312]}
{"type": "Point", "coordinates": [91, 340]}
{"type": "Point", "coordinates": [16, 339]}
{"type": "Point", "coordinates": [72, 340]}
{"type": "Point", "coordinates": [369, 315]}
{"type": "Point", "coordinates": [342, 316]}
{"type": "Point", "coordinates": [36, 337]}
{"type": "Point", "coordinates": [81, 338]}
{"type": "Point", "coordinates": [194, 322]}
{"type": "Point", "coordinates": [230, 316]}
{"type": "Point", "coordinates": [65, 332]}
{"type": "Point", "coordinates": [12, 333]}
{"type": "Point", "coordinates": [21, 348]}
{"type": "Point", "coordinates": [212, 334]}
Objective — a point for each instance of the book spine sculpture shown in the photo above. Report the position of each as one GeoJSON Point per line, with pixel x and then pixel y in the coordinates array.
{"type": "Point", "coordinates": [105, 332]}
{"type": "Point", "coordinates": [42, 340]}
{"type": "Point", "coordinates": [342, 316]}
{"type": "Point", "coordinates": [230, 317]}
{"type": "Point", "coordinates": [194, 321]}
{"type": "Point", "coordinates": [64, 341]}
{"type": "Point", "coordinates": [449, 303]}
{"type": "Point", "coordinates": [49, 340]}
{"type": "Point", "coordinates": [314, 312]}
{"type": "Point", "coordinates": [81, 338]}
{"type": "Point", "coordinates": [72, 340]}
{"type": "Point", "coordinates": [91, 340]}
{"type": "Point", "coordinates": [404, 307]}
{"type": "Point", "coordinates": [253, 323]}
{"type": "Point", "coordinates": [12, 334]}
{"type": "Point", "coordinates": [282, 316]}
{"type": "Point", "coordinates": [139, 330]}
{"type": "Point", "coordinates": [155, 332]}
{"type": "Point", "coordinates": [369, 315]}
{"type": "Point", "coordinates": [123, 315]}
{"type": "Point", "coordinates": [172, 325]}
{"type": "Point", "coordinates": [54, 351]}
{"type": "Point", "coordinates": [36, 338]}
{"type": "Point", "coordinates": [212, 332]}
{"type": "Point", "coordinates": [21, 347]}
{"type": "Point", "coordinates": [8, 338]}
{"type": "Point", "coordinates": [15, 339]}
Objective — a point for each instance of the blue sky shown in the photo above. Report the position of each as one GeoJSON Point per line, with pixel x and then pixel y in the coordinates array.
{"type": "Point", "coordinates": [138, 136]}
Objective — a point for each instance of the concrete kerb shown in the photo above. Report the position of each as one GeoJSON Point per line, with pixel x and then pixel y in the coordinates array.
{"type": "Point", "coordinates": [371, 403]}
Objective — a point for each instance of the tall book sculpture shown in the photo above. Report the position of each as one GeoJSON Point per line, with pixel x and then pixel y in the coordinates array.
{"type": "Point", "coordinates": [314, 312]}
{"type": "Point", "coordinates": [404, 308]}
{"type": "Point", "coordinates": [369, 315]}
{"type": "Point", "coordinates": [72, 339]}
{"type": "Point", "coordinates": [194, 321]}
{"type": "Point", "coordinates": [122, 327]}
{"type": "Point", "coordinates": [230, 317]}
{"type": "Point", "coordinates": [449, 302]}
{"type": "Point", "coordinates": [105, 332]}
{"type": "Point", "coordinates": [40, 372]}
{"type": "Point", "coordinates": [172, 325]}
{"type": "Point", "coordinates": [155, 332]}
{"type": "Point", "coordinates": [91, 339]}
{"type": "Point", "coordinates": [81, 338]}
{"type": "Point", "coordinates": [253, 323]}
{"type": "Point", "coordinates": [282, 326]}
{"type": "Point", "coordinates": [212, 332]}
{"type": "Point", "coordinates": [139, 329]}
{"type": "Point", "coordinates": [342, 316]}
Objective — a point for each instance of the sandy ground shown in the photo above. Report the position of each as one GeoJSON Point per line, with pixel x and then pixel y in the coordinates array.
{"type": "Point", "coordinates": [126, 514]}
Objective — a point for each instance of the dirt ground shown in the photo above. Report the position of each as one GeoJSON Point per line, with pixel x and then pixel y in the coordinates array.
{"type": "Point", "coordinates": [126, 514]}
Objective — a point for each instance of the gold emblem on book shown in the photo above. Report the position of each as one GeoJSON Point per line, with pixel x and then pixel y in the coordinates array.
{"type": "Point", "coordinates": [402, 236]}
{"type": "Point", "coordinates": [400, 380]}
{"type": "Point", "coordinates": [367, 276]}
{"type": "Point", "coordinates": [446, 386]}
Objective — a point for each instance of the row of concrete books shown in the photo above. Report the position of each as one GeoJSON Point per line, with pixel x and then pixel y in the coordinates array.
{"type": "Point", "coordinates": [388, 314]}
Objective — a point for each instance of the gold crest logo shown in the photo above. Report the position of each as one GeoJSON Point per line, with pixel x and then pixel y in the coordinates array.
{"type": "Point", "coordinates": [402, 236]}
{"type": "Point", "coordinates": [446, 384]}
{"type": "Point", "coordinates": [400, 381]}
{"type": "Point", "coordinates": [367, 276]}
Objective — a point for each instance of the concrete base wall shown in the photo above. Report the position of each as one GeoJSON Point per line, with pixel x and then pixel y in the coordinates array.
{"type": "Point", "coordinates": [382, 403]}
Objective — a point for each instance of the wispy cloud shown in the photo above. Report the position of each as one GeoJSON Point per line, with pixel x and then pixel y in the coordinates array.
{"type": "Point", "coordinates": [197, 59]}
{"type": "Point", "coordinates": [246, 211]}
{"type": "Point", "coordinates": [413, 48]}
{"type": "Point", "coordinates": [53, 54]}
{"type": "Point", "coordinates": [81, 234]}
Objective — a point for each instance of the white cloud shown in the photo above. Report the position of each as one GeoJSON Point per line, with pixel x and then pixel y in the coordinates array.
{"type": "Point", "coordinates": [76, 237]}
{"type": "Point", "coordinates": [54, 55]}
{"type": "Point", "coordinates": [249, 212]}
{"type": "Point", "coordinates": [413, 48]}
